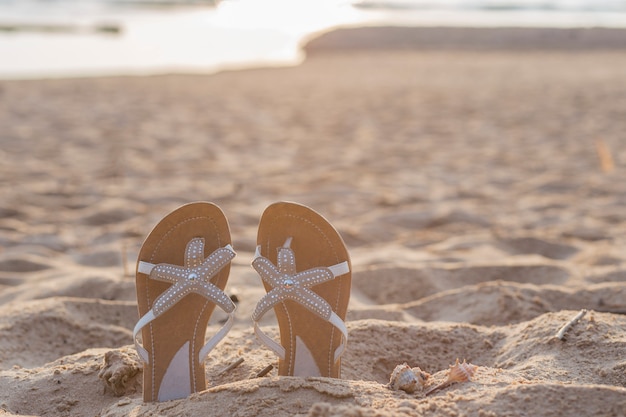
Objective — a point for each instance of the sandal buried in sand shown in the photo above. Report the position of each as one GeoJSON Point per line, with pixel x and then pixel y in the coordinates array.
{"type": "Point", "coordinates": [305, 269]}
{"type": "Point", "coordinates": [182, 270]}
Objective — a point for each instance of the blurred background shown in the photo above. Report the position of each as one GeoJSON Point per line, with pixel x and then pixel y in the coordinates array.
{"type": "Point", "coordinates": [60, 38]}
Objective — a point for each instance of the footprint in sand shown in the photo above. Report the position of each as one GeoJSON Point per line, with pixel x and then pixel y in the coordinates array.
{"type": "Point", "coordinates": [487, 304]}
{"type": "Point", "coordinates": [500, 303]}
{"type": "Point", "coordinates": [390, 226]}
{"type": "Point", "coordinates": [531, 245]}
{"type": "Point", "coordinates": [525, 273]}
{"type": "Point", "coordinates": [110, 216]}
{"type": "Point", "coordinates": [100, 259]}
{"type": "Point", "coordinates": [7, 212]}
{"type": "Point", "coordinates": [22, 264]}
{"type": "Point", "coordinates": [64, 284]}
{"type": "Point", "coordinates": [388, 285]}
{"type": "Point", "coordinates": [614, 276]}
{"type": "Point", "coordinates": [110, 212]}
{"type": "Point", "coordinates": [391, 285]}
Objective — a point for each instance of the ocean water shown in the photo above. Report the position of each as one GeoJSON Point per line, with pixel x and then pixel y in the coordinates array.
{"type": "Point", "coordinates": [66, 38]}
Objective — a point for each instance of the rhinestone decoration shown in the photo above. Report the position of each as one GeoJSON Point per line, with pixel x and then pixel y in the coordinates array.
{"type": "Point", "coordinates": [193, 277]}
{"type": "Point", "coordinates": [287, 284]}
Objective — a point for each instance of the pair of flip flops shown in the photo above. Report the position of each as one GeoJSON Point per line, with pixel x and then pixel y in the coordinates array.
{"type": "Point", "coordinates": [182, 271]}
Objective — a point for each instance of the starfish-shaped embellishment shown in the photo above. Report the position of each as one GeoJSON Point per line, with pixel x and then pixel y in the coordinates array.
{"type": "Point", "coordinates": [193, 277]}
{"type": "Point", "coordinates": [287, 284]}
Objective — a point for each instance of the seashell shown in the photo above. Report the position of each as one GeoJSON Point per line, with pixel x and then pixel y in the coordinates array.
{"type": "Point", "coordinates": [407, 379]}
{"type": "Point", "coordinates": [459, 372]}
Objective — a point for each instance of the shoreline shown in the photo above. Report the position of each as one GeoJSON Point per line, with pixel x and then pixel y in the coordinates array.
{"type": "Point", "coordinates": [399, 38]}
{"type": "Point", "coordinates": [467, 38]}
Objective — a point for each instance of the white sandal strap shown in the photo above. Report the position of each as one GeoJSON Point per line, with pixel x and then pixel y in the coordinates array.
{"type": "Point", "coordinates": [194, 277]}
{"type": "Point", "coordinates": [340, 269]}
{"type": "Point", "coordinates": [145, 267]}
{"type": "Point", "coordinates": [336, 321]}
{"type": "Point", "coordinates": [269, 342]}
{"type": "Point", "coordinates": [287, 284]}
{"type": "Point", "coordinates": [204, 351]}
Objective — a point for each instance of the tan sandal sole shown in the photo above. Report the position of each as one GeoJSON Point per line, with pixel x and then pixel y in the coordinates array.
{"type": "Point", "coordinates": [315, 243]}
{"type": "Point", "coordinates": [187, 320]}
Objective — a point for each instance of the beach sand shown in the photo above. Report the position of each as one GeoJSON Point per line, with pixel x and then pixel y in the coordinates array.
{"type": "Point", "coordinates": [479, 187]}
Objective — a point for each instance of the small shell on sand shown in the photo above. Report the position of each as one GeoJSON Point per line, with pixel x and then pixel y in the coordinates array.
{"type": "Point", "coordinates": [121, 371]}
{"type": "Point", "coordinates": [407, 379]}
{"type": "Point", "coordinates": [459, 372]}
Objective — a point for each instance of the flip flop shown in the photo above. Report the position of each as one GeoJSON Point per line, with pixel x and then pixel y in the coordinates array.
{"type": "Point", "coordinates": [182, 270]}
{"type": "Point", "coordinates": [305, 268]}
